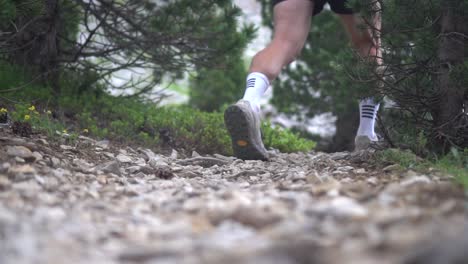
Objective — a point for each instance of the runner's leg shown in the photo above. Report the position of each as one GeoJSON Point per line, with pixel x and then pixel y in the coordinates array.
{"type": "Point", "coordinates": [368, 45]}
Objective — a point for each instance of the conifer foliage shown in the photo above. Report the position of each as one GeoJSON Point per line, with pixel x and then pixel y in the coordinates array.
{"type": "Point", "coordinates": [425, 72]}
{"type": "Point", "coordinates": [105, 36]}
{"type": "Point", "coordinates": [424, 76]}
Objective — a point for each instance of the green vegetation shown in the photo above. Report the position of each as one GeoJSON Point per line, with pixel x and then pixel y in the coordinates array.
{"type": "Point", "coordinates": [134, 120]}
{"type": "Point", "coordinates": [284, 139]}
{"type": "Point", "coordinates": [454, 163]}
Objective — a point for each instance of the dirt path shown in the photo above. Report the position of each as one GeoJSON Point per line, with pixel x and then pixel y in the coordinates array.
{"type": "Point", "coordinates": [92, 203]}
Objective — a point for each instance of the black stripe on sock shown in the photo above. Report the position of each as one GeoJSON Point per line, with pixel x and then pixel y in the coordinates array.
{"type": "Point", "coordinates": [367, 112]}
{"type": "Point", "coordinates": [367, 116]}
{"type": "Point", "coordinates": [368, 109]}
{"type": "Point", "coordinates": [373, 106]}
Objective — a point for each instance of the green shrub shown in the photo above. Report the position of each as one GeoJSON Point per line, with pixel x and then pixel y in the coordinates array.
{"type": "Point", "coordinates": [94, 112]}
{"type": "Point", "coordinates": [404, 158]}
{"type": "Point", "coordinates": [284, 139]}
{"type": "Point", "coordinates": [455, 163]}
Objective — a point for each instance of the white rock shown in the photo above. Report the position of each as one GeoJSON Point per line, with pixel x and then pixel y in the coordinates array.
{"type": "Point", "coordinates": [174, 154]}
{"type": "Point", "coordinates": [55, 162]}
{"type": "Point", "coordinates": [415, 179]}
{"type": "Point", "coordinates": [124, 158]}
{"type": "Point", "coordinates": [111, 166]}
{"type": "Point", "coordinates": [103, 144]}
{"type": "Point", "coordinates": [133, 169]}
{"type": "Point", "coordinates": [20, 151]}
{"type": "Point", "coordinates": [341, 207]}
{"type": "Point", "coordinates": [21, 172]}
{"type": "Point", "coordinates": [37, 155]}
{"type": "Point", "coordinates": [65, 147]}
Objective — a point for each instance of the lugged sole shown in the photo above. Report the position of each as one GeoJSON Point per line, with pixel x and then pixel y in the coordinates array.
{"type": "Point", "coordinates": [243, 145]}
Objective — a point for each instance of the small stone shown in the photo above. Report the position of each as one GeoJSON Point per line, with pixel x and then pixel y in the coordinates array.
{"type": "Point", "coordinates": [55, 162]}
{"type": "Point", "coordinates": [109, 155]}
{"type": "Point", "coordinates": [5, 183]}
{"type": "Point", "coordinates": [360, 171]}
{"type": "Point", "coordinates": [19, 160]}
{"type": "Point", "coordinates": [339, 155]}
{"type": "Point", "coordinates": [65, 147]}
{"type": "Point", "coordinates": [164, 172]}
{"type": "Point", "coordinates": [104, 144]}
{"type": "Point", "coordinates": [4, 166]}
{"type": "Point", "coordinates": [174, 154]}
{"type": "Point", "coordinates": [82, 165]}
{"type": "Point", "coordinates": [340, 207]}
{"type": "Point", "coordinates": [124, 158]}
{"type": "Point", "coordinates": [102, 179]}
{"type": "Point", "coordinates": [42, 141]}
{"type": "Point", "coordinates": [155, 163]}
{"type": "Point", "coordinates": [372, 180]}
{"type": "Point", "coordinates": [187, 174]}
{"type": "Point", "coordinates": [37, 155]}
{"type": "Point", "coordinates": [345, 168]}
{"type": "Point", "coordinates": [88, 139]}
{"type": "Point", "coordinates": [255, 217]}
{"type": "Point", "coordinates": [21, 152]}
{"type": "Point", "coordinates": [327, 186]}
{"type": "Point", "coordinates": [139, 175]}
{"type": "Point", "coordinates": [110, 167]}
{"type": "Point", "coordinates": [149, 154]}
{"type": "Point", "coordinates": [133, 169]}
{"type": "Point", "coordinates": [195, 154]}
{"type": "Point", "coordinates": [21, 172]}
{"type": "Point", "coordinates": [415, 179]}
{"type": "Point", "coordinates": [393, 167]}
{"type": "Point", "coordinates": [219, 156]}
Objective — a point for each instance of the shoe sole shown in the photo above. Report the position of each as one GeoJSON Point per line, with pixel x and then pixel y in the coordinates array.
{"type": "Point", "coordinates": [243, 145]}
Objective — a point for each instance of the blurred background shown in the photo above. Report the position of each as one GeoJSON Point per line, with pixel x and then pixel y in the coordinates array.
{"type": "Point", "coordinates": [161, 73]}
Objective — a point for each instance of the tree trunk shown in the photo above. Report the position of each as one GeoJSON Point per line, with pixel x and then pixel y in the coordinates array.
{"type": "Point", "coordinates": [448, 111]}
{"type": "Point", "coordinates": [50, 47]}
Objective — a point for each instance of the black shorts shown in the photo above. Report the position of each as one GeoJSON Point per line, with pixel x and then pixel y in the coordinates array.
{"type": "Point", "coordinates": [337, 6]}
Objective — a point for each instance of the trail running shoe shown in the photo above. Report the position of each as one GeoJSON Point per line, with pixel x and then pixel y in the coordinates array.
{"type": "Point", "coordinates": [243, 124]}
{"type": "Point", "coordinates": [365, 142]}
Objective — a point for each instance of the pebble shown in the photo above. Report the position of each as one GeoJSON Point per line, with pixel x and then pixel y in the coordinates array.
{"type": "Point", "coordinates": [5, 183]}
{"type": "Point", "coordinates": [124, 158]}
{"type": "Point", "coordinates": [21, 172]}
{"type": "Point", "coordinates": [393, 167]}
{"type": "Point", "coordinates": [110, 166]}
{"type": "Point", "coordinates": [21, 152]}
{"type": "Point", "coordinates": [65, 147]}
{"type": "Point", "coordinates": [415, 180]}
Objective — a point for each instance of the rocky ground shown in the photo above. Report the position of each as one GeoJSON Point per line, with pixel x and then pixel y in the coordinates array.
{"type": "Point", "coordinates": [92, 202]}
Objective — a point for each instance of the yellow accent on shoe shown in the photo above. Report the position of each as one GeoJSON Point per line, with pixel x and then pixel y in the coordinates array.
{"type": "Point", "coordinates": [242, 143]}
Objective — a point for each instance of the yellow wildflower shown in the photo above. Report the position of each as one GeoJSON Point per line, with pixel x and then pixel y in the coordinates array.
{"type": "Point", "coordinates": [36, 112]}
{"type": "Point", "coordinates": [27, 117]}
{"type": "Point", "coordinates": [32, 108]}
{"type": "Point", "coordinates": [85, 130]}
{"type": "Point", "coordinates": [3, 110]}
{"type": "Point", "coordinates": [64, 131]}
{"type": "Point", "coordinates": [49, 112]}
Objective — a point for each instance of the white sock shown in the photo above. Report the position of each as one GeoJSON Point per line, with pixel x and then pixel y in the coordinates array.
{"type": "Point", "coordinates": [257, 84]}
{"type": "Point", "coordinates": [367, 114]}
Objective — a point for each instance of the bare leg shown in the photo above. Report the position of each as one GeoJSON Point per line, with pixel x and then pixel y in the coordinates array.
{"type": "Point", "coordinates": [367, 43]}
{"type": "Point", "coordinates": [292, 23]}
{"type": "Point", "coordinates": [291, 26]}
